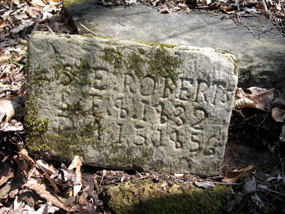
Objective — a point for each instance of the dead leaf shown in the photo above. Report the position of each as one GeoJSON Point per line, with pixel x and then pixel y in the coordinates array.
{"type": "Point", "coordinates": [17, 208]}
{"type": "Point", "coordinates": [47, 171]}
{"type": "Point", "coordinates": [37, 3]}
{"type": "Point", "coordinates": [47, 208]}
{"type": "Point", "coordinates": [278, 114]}
{"type": "Point", "coordinates": [244, 103]}
{"type": "Point", "coordinates": [26, 24]}
{"type": "Point", "coordinates": [12, 126]}
{"type": "Point", "coordinates": [233, 176]}
{"type": "Point", "coordinates": [6, 172]}
{"type": "Point", "coordinates": [6, 110]}
{"type": "Point", "coordinates": [43, 193]}
{"type": "Point", "coordinates": [250, 186]}
{"type": "Point", "coordinates": [44, 166]}
{"type": "Point", "coordinates": [257, 200]}
{"type": "Point", "coordinates": [204, 184]}
{"type": "Point", "coordinates": [77, 177]}
{"type": "Point", "coordinates": [25, 163]}
{"type": "Point", "coordinates": [262, 98]}
{"type": "Point", "coordinates": [16, 203]}
{"type": "Point", "coordinates": [240, 93]}
{"type": "Point", "coordinates": [178, 175]}
{"type": "Point", "coordinates": [256, 98]}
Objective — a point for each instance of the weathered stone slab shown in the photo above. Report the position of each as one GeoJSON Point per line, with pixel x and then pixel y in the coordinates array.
{"type": "Point", "coordinates": [129, 105]}
{"type": "Point", "coordinates": [257, 44]}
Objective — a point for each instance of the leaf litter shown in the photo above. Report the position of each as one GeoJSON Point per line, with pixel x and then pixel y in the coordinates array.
{"type": "Point", "coordinates": [56, 188]}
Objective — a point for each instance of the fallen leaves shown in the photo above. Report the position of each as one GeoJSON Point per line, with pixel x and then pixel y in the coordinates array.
{"type": "Point", "coordinates": [12, 126]}
{"type": "Point", "coordinates": [256, 97]}
{"type": "Point", "coordinates": [262, 99]}
{"type": "Point", "coordinates": [168, 6]}
{"type": "Point", "coordinates": [6, 111]}
{"type": "Point", "coordinates": [18, 20]}
{"type": "Point", "coordinates": [43, 193]}
{"type": "Point", "coordinates": [66, 188]}
{"type": "Point", "coordinates": [204, 184]}
{"type": "Point", "coordinates": [233, 176]}
{"type": "Point", "coordinates": [6, 172]}
{"type": "Point", "coordinates": [278, 114]}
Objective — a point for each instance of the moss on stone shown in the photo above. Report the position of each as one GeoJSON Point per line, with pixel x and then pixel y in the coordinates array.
{"type": "Point", "coordinates": [236, 64]}
{"type": "Point", "coordinates": [77, 142]}
{"type": "Point", "coordinates": [119, 154]}
{"type": "Point", "coordinates": [114, 57]}
{"type": "Point", "coordinates": [156, 63]}
{"type": "Point", "coordinates": [64, 143]}
{"type": "Point", "coordinates": [135, 62]}
{"type": "Point", "coordinates": [157, 44]}
{"type": "Point", "coordinates": [67, 143]}
{"type": "Point", "coordinates": [163, 65]}
{"type": "Point", "coordinates": [236, 61]}
{"type": "Point", "coordinates": [35, 127]}
{"type": "Point", "coordinates": [223, 51]}
{"type": "Point", "coordinates": [73, 74]}
{"type": "Point", "coordinates": [152, 198]}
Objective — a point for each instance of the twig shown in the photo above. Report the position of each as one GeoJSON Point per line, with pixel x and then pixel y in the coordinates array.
{"type": "Point", "coordinates": [224, 183]}
{"type": "Point", "coordinates": [120, 22]}
{"type": "Point", "coordinates": [270, 190]}
{"type": "Point", "coordinates": [258, 36]}
{"type": "Point", "coordinates": [50, 30]}
{"type": "Point", "coordinates": [90, 31]}
{"type": "Point", "coordinates": [237, 4]}
{"type": "Point", "coordinates": [282, 166]}
{"type": "Point", "coordinates": [264, 6]}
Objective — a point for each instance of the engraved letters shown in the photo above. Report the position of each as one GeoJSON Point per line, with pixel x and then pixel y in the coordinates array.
{"type": "Point", "coordinates": [130, 105]}
{"type": "Point", "coordinates": [150, 118]}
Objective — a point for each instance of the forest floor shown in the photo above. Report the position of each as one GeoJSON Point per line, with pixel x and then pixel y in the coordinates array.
{"type": "Point", "coordinates": [254, 162]}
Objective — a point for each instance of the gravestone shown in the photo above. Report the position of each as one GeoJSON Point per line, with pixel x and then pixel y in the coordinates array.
{"type": "Point", "coordinates": [129, 105]}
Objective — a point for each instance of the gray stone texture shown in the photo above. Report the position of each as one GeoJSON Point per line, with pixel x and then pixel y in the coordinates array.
{"type": "Point", "coordinates": [130, 105]}
{"type": "Point", "coordinates": [256, 43]}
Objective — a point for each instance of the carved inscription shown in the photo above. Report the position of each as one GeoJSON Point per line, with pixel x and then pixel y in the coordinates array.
{"type": "Point", "coordinates": [141, 116]}
{"type": "Point", "coordinates": [129, 105]}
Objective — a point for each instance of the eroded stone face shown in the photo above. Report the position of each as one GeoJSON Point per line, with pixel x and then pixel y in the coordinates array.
{"type": "Point", "coordinates": [129, 105]}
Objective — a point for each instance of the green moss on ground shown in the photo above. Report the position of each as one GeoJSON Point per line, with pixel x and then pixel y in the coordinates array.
{"type": "Point", "coordinates": [144, 197]}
